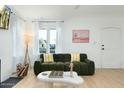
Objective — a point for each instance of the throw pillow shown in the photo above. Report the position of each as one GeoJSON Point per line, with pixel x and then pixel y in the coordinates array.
{"type": "Point", "coordinates": [75, 57]}
{"type": "Point", "coordinates": [48, 57]}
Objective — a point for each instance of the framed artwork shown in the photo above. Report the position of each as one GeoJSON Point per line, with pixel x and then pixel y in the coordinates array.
{"type": "Point", "coordinates": [80, 36]}
{"type": "Point", "coordinates": [4, 17]}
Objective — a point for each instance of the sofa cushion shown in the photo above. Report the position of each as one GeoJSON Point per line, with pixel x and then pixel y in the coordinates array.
{"type": "Point", "coordinates": [41, 58]}
{"type": "Point", "coordinates": [83, 57]}
{"type": "Point", "coordinates": [58, 57]}
{"type": "Point", "coordinates": [48, 57]}
{"type": "Point", "coordinates": [83, 68]}
{"type": "Point", "coordinates": [59, 66]}
{"type": "Point", "coordinates": [46, 66]}
{"type": "Point", "coordinates": [80, 67]}
{"type": "Point", "coordinates": [77, 66]}
{"type": "Point", "coordinates": [75, 57]}
{"type": "Point", "coordinates": [53, 66]}
{"type": "Point", "coordinates": [66, 66]}
{"type": "Point", "coordinates": [66, 57]}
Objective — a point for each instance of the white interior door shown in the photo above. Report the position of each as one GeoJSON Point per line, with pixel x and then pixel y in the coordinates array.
{"type": "Point", "coordinates": [111, 48]}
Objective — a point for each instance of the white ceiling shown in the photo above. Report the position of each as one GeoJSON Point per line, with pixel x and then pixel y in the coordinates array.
{"type": "Point", "coordinates": [61, 12]}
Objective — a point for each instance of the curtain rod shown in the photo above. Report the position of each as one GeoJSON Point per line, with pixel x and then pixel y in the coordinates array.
{"type": "Point", "coordinates": [48, 21]}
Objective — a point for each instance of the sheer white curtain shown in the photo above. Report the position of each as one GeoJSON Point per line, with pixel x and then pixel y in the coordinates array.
{"type": "Point", "coordinates": [35, 48]}
{"type": "Point", "coordinates": [59, 37]}
{"type": "Point", "coordinates": [17, 27]}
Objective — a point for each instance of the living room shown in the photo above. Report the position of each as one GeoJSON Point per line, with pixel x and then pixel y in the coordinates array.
{"type": "Point", "coordinates": [35, 30]}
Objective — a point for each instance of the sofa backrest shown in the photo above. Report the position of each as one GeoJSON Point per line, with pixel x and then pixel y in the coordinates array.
{"type": "Point", "coordinates": [64, 57]}
{"type": "Point", "coordinates": [41, 57]}
{"type": "Point", "coordinates": [83, 57]}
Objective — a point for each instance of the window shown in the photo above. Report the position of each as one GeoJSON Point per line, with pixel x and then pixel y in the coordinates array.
{"type": "Point", "coordinates": [47, 40]}
{"type": "Point", "coordinates": [43, 41]}
{"type": "Point", "coordinates": [52, 41]}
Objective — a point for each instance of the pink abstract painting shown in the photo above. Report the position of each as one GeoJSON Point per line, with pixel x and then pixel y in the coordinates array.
{"type": "Point", "coordinates": [80, 36]}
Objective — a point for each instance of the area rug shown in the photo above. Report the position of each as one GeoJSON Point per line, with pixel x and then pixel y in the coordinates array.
{"type": "Point", "coordinates": [9, 83]}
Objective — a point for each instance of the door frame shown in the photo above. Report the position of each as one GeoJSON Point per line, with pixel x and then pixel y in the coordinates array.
{"type": "Point", "coordinates": [111, 27]}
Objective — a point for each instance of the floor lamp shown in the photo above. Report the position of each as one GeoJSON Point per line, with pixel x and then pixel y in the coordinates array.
{"type": "Point", "coordinates": [23, 69]}
{"type": "Point", "coordinates": [28, 41]}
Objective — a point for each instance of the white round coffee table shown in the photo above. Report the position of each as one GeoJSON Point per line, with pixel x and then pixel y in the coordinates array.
{"type": "Point", "coordinates": [74, 81]}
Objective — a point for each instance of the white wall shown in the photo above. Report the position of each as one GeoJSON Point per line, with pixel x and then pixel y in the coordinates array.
{"type": "Point", "coordinates": [8, 45]}
{"type": "Point", "coordinates": [94, 23]}
{"type": "Point", "coordinates": [5, 54]}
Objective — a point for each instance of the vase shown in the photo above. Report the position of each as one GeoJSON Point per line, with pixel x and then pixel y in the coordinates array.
{"type": "Point", "coordinates": [71, 69]}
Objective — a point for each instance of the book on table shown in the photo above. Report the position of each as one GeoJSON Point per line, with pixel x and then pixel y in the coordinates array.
{"type": "Point", "coordinates": [56, 74]}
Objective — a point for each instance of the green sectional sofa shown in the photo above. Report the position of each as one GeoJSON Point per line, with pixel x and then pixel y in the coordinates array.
{"type": "Point", "coordinates": [62, 62]}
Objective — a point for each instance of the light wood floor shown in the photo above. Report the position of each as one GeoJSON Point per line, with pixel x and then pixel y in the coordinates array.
{"type": "Point", "coordinates": [103, 78]}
